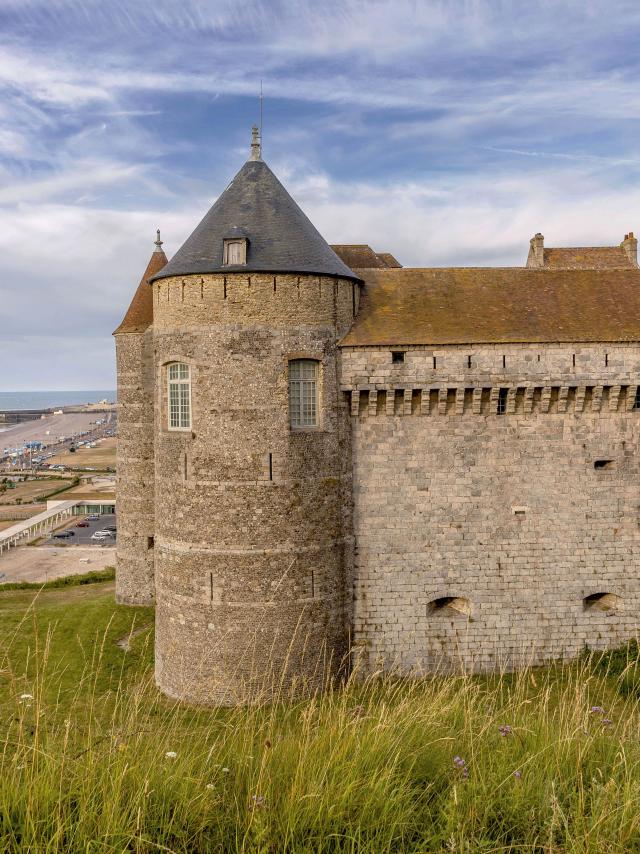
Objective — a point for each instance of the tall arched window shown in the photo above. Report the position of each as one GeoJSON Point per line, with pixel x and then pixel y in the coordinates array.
{"type": "Point", "coordinates": [179, 380]}
{"type": "Point", "coordinates": [303, 393]}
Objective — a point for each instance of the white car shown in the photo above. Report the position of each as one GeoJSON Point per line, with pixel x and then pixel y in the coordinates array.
{"type": "Point", "coordinates": [101, 535]}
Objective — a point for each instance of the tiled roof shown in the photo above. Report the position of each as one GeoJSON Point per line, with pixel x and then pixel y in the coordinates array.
{"type": "Point", "coordinates": [281, 237]}
{"type": "Point", "coordinates": [587, 258]}
{"type": "Point", "coordinates": [360, 256]}
{"type": "Point", "coordinates": [389, 259]}
{"type": "Point", "coordinates": [140, 313]}
{"type": "Point", "coordinates": [484, 305]}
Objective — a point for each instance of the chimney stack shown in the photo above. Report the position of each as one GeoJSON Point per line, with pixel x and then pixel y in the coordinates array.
{"type": "Point", "coordinates": [630, 246]}
{"type": "Point", "coordinates": [536, 251]}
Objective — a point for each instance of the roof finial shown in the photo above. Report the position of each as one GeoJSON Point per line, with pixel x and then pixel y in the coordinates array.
{"type": "Point", "coordinates": [255, 143]}
{"type": "Point", "coordinates": [158, 242]}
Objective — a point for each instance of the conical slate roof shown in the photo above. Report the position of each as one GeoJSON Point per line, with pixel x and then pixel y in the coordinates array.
{"type": "Point", "coordinates": [281, 237]}
{"type": "Point", "coordinates": [140, 313]}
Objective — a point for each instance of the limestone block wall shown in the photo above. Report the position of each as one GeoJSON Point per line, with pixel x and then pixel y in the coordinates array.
{"type": "Point", "coordinates": [496, 499]}
{"type": "Point", "coordinates": [135, 469]}
{"type": "Point", "coordinates": [253, 519]}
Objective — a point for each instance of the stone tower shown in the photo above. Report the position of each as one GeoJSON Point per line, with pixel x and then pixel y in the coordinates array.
{"type": "Point", "coordinates": [135, 461]}
{"type": "Point", "coordinates": [253, 532]}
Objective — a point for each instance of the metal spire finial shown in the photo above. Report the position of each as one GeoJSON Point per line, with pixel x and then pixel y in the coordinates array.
{"type": "Point", "coordinates": [158, 242]}
{"type": "Point", "coordinates": [255, 143]}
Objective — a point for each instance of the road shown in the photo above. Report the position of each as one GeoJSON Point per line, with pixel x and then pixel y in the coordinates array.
{"type": "Point", "coordinates": [43, 563]}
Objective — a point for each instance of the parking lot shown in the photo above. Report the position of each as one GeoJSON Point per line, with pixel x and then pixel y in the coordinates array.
{"type": "Point", "coordinates": [82, 536]}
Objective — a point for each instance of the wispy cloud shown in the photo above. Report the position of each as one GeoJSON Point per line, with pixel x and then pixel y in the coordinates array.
{"type": "Point", "coordinates": [446, 131]}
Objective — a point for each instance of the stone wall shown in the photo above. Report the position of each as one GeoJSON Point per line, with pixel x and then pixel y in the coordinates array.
{"type": "Point", "coordinates": [253, 521]}
{"type": "Point", "coordinates": [135, 469]}
{"type": "Point", "coordinates": [495, 498]}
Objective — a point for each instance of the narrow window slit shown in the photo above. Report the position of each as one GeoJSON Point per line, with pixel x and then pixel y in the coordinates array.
{"type": "Point", "coordinates": [210, 587]}
{"type": "Point", "coordinates": [435, 363]}
{"type": "Point", "coordinates": [504, 361]}
{"type": "Point", "coordinates": [224, 288]}
{"type": "Point", "coordinates": [150, 542]}
{"type": "Point", "coordinates": [270, 466]}
{"type": "Point", "coordinates": [468, 361]}
{"type": "Point", "coordinates": [574, 360]}
{"type": "Point", "coordinates": [313, 585]}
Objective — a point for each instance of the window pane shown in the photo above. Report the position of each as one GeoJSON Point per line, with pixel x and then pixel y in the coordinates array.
{"type": "Point", "coordinates": [179, 396]}
{"type": "Point", "coordinates": [303, 393]}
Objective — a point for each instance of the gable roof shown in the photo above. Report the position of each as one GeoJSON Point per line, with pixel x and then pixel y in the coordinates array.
{"type": "Point", "coordinates": [504, 305]}
{"type": "Point", "coordinates": [281, 237]}
{"type": "Point", "coordinates": [587, 258]}
{"type": "Point", "coordinates": [360, 256]}
{"type": "Point", "coordinates": [140, 312]}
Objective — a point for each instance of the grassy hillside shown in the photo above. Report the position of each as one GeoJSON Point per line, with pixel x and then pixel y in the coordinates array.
{"type": "Point", "coordinates": [93, 760]}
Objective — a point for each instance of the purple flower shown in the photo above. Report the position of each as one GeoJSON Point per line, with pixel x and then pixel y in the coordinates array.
{"type": "Point", "coordinates": [517, 774]}
{"type": "Point", "coordinates": [606, 722]}
{"type": "Point", "coordinates": [459, 762]}
{"type": "Point", "coordinates": [505, 731]}
{"type": "Point", "coordinates": [597, 710]}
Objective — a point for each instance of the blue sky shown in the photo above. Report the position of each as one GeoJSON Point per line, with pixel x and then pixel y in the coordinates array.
{"type": "Point", "coordinates": [444, 132]}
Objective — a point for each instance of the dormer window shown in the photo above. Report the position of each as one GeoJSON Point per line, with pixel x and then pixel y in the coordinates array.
{"type": "Point", "coordinates": [234, 250]}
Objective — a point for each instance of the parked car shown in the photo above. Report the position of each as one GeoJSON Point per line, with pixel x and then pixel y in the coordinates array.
{"type": "Point", "coordinates": [63, 535]}
{"type": "Point", "coordinates": [101, 535]}
{"type": "Point", "coordinates": [93, 517]}
{"type": "Point", "coordinates": [82, 525]}
{"type": "Point", "coordinates": [113, 528]}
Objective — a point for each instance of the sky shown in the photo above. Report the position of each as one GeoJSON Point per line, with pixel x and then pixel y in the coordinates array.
{"type": "Point", "coordinates": [447, 132]}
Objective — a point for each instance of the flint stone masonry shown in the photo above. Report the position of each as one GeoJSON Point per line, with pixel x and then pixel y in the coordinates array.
{"type": "Point", "coordinates": [252, 574]}
{"type": "Point", "coordinates": [506, 511]}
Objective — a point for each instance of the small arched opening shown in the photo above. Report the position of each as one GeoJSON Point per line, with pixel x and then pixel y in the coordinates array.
{"type": "Point", "coordinates": [450, 606]}
{"type": "Point", "coordinates": [601, 602]}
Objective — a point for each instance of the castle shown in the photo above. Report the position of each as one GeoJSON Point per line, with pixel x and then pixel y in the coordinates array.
{"type": "Point", "coordinates": [325, 455]}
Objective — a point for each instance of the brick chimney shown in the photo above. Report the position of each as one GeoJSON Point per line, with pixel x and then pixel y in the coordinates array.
{"type": "Point", "coordinates": [630, 246]}
{"type": "Point", "coordinates": [536, 251]}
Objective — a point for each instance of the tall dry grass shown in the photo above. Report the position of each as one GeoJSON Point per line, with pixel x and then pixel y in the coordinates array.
{"type": "Point", "coordinates": [543, 760]}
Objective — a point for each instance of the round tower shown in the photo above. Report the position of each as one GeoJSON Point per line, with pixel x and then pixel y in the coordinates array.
{"type": "Point", "coordinates": [135, 458]}
{"type": "Point", "coordinates": [253, 536]}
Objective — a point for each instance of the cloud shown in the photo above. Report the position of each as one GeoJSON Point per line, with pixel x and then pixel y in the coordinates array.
{"type": "Point", "coordinates": [445, 131]}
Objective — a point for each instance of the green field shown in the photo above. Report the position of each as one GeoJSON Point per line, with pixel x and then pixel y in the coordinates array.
{"type": "Point", "coordinates": [87, 764]}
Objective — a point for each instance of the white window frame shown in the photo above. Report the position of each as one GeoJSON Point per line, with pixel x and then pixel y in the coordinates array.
{"type": "Point", "coordinates": [179, 384]}
{"type": "Point", "coordinates": [304, 394]}
{"type": "Point", "coordinates": [232, 243]}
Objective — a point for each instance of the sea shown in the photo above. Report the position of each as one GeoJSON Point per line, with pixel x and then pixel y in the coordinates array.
{"type": "Point", "coordinates": [10, 400]}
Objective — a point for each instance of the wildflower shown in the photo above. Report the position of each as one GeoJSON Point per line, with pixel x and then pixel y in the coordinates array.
{"type": "Point", "coordinates": [210, 786]}
{"type": "Point", "coordinates": [257, 801]}
{"type": "Point", "coordinates": [357, 711]}
{"type": "Point", "coordinates": [171, 754]}
{"type": "Point", "coordinates": [596, 710]}
{"type": "Point", "coordinates": [607, 722]}
{"type": "Point", "coordinates": [517, 774]}
{"type": "Point", "coordinates": [225, 770]}
{"type": "Point", "coordinates": [25, 698]}
{"type": "Point", "coordinates": [505, 731]}
{"type": "Point", "coordinates": [461, 765]}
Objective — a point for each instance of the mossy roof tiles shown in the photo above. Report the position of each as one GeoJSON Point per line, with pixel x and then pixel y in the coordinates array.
{"type": "Point", "coordinates": [587, 257]}
{"type": "Point", "coordinates": [496, 305]}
